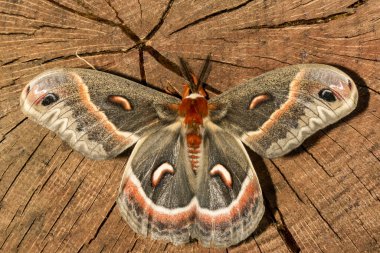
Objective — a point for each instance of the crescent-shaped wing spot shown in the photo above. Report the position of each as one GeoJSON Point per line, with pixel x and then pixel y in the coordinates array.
{"type": "Point", "coordinates": [223, 173]}
{"type": "Point", "coordinates": [256, 101]}
{"type": "Point", "coordinates": [121, 101]}
{"type": "Point", "coordinates": [160, 172]}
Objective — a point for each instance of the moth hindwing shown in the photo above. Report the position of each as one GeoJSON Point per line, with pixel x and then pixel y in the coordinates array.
{"type": "Point", "coordinates": [189, 175]}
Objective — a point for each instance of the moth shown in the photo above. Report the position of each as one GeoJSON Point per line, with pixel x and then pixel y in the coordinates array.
{"type": "Point", "coordinates": [189, 175]}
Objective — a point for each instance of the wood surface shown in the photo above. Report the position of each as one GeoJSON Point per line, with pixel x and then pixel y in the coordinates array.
{"type": "Point", "coordinates": [323, 197]}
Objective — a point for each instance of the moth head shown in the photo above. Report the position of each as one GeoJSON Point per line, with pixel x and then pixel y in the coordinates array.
{"type": "Point", "coordinates": [329, 87]}
{"type": "Point", "coordinates": [44, 92]}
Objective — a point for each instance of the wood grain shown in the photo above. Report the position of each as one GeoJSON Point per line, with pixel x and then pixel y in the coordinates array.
{"type": "Point", "coordinates": [323, 197]}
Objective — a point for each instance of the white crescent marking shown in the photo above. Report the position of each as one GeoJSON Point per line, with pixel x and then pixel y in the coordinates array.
{"type": "Point", "coordinates": [160, 172]}
{"type": "Point", "coordinates": [224, 174]}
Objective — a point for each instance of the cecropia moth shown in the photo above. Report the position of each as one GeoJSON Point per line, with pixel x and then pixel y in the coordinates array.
{"type": "Point", "coordinates": [189, 175]}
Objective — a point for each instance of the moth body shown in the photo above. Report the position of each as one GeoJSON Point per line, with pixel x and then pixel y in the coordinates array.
{"type": "Point", "coordinates": [193, 110]}
{"type": "Point", "coordinates": [189, 175]}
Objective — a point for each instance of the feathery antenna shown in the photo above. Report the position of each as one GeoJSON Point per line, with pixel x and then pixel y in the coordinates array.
{"type": "Point", "coordinates": [205, 70]}
{"type": "Point", "coordinates": [187, 74]}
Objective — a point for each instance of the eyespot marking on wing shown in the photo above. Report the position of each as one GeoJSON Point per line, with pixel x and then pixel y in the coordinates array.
{"type": "Point", "coordinates": [49, 99]}
{"type": "Point", "coordinates": [327, 95]}
{"type": "Point", "coordinates": [223, 173]}
{"type": "Point", "coordinates": [121, 101]}
{"type": "Point", "coordinates": [258, 100]}
{"type": "Point", "coordinates": [160, 172]}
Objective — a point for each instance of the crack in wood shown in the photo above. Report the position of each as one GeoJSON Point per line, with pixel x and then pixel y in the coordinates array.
{"type": "Point", "coordinates": [83, 4]}
{"type": "Point", "coordinates": [212, 15]}
{"type": "Point", "coordinates": [75, 170]}
{"type": "Point", "coordinates": [59, 249]}
{"type": "Point", "coordinates": [356, 130]}
{"type": "Point", "coordinates": [5, 239]}
{"type": "Point", "coordinates": [166, 246]}
{"type": "Point", "coordinates": [22, 167]}
{"type": "Point", "coordinates": [141, 12]}
{"type": "Point", "coordinates": [23, 237]}
{"type": "Point", "coordinates": [75, 189]}
{"type": "Point", "coordinates": [13, 82]}
{"type": "Point", "coordinates": [55, 169]}
{"type": "Point", "coordinates": [13, 128]}
{"type": "Point", "coordinates": [337, 143]}
{"type": "Point", "coordinates": [271, 58]}
{"type": "Point", "coordinates": [163, 60]}
{"type": "Point", "coordinates": [15, 15]}
{"type": "Point", "coordinates": [16, 214]}
{"type": "Point", "coordinates": [75, 221]}
{"type": "Point", "coordinates": [160, 22]}
{"type": "Point", "coordinates": [288, 183]}
{"type": "Point", "coordinates": [97, 53]}
{"type": "Point", "coordinates": [224, 40]}
{"type": "Point", "coordinates": [4, 171]}
{"type": "Point", "coordinates": [371, 89]}
{"type": "Point", "coordinates": [316, 161]}
{"type": "Point", "coordinates": [40, 27]}
{"type": "Point", "coordinates": [281, 227]}
{"type": "Point", "coordinates": [115, 11]}
{"type": "Point", "coordinates": [43, 26]}
{"type": "Point", "coordinates": [231, 64]}
{"type": "Point", "coordinates": [313, 21]}
{"type": "Point", "coordinates": [16, 33]}
{"type": "Point", "coordinates": [102, 187]}
{"type": "Point", "coordinates": [375, 242]}
{"type": "Point", "coordinates": [101, 224]}
{"type": "Point", "coordinates": [257, 244]}
{"type": "Point", "coordinates": [119, 235]}
{"type": "Point", "coordinates": [357, 4]}
{"type": "Point", "coordinates": [299, 22]}
{"type": "Point", "coordinates": [54, 42]}
{"type": "Point", "coordinates": [141, 66]}
{"type": "Point", "coordinates": [352, 56]}
{"type": "Point", "coordinates": [323, 218]}
{"type": "Point", "coordinates": [10, 62]}
{"type": "Point", "coordinates": [127, 31]}
{"type": "Point", "coordinates": [370, 151]}
{"type": "Point", "coordinates": [88, 208]}
{"type": "Point", "coordinates": [133, 246]}
{"type": "Point", "coordinates": [27, 203]}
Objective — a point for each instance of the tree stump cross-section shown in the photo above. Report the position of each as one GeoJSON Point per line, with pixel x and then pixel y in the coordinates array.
{"type": "Point", "coordinates": [322, 197]}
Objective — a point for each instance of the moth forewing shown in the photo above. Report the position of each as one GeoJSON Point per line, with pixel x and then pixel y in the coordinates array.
{"type": "Point", "coordinates": [98, 114]}
{"type": "Point", "coordinates": [275, 112]}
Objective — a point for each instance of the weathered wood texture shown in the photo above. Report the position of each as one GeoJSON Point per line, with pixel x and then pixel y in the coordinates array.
{"type": "Point", "coordinates": [323, 197]}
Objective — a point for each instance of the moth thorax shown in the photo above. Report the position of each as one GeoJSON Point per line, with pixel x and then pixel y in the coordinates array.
{"type": "Point", "coordinates": [193, 109]}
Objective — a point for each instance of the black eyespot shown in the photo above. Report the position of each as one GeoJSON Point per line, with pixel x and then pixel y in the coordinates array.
{"type": "Point", "coordinates": [49, 99]}
{"type": "Point", "coordinates": [27, 90]}
{"type": "Point", "coordinates": [327, 95]}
